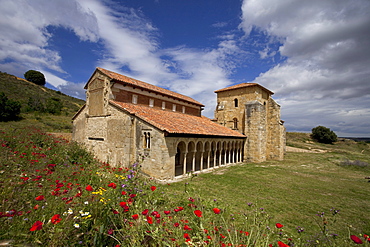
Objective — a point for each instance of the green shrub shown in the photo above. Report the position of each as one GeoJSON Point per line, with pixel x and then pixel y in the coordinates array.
{"type": "Point", "coordinates": [324, 135]}
{"type": "Point", "coordinates": [35, 104]}
{"type": "Point", "coordinates": [54, 106]}
{"type": "Point", "coordinates": [9, 109]}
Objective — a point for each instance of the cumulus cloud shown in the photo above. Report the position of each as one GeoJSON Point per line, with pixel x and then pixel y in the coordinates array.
{"type": "Point", "coordinates": [327, 46]}
{"type": "Point", "coordinates": [128, 37]}
{"type": "Point", "coordinates": [25, 36]}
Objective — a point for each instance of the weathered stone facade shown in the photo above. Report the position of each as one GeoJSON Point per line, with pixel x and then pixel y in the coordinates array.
{"type": "Point", "coordinates": [249, 109]}
{"type": "Point", "coordinates": [126, 119]}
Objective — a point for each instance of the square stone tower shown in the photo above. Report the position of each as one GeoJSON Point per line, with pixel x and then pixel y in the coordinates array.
{"type": "Point", "coordinates": [249, 109]}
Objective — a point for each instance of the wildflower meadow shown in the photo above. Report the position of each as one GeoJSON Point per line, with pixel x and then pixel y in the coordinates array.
{"type": "Point", "coordinates": [54, 193]}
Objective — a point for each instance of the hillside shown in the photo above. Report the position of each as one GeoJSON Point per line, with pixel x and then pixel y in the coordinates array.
{"type": "Point", "coordinates": [28, 93]}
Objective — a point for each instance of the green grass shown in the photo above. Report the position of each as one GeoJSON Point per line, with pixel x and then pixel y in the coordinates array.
{"type": "Point", "coordinates": [252, 199]}
{"type": "Point", "coordinates": [293, 191]}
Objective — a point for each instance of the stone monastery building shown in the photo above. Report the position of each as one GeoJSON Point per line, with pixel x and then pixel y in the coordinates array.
{"type": "Point", "coordinates": [125, 119]}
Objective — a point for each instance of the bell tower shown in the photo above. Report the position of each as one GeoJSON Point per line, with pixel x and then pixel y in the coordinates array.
{"type": "Point", "coordinates": [249, 109]}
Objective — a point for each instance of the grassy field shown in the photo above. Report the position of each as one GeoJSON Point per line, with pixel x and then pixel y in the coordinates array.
{"type": "Point", "coordinates": [295, 191]}
{"type": "Point", "coordinates": [54, 193]}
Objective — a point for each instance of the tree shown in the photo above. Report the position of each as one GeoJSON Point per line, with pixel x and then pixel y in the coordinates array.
{"type": "Point", "coordinates": [35, 76]}
{"type": "Point", "coordinates": [324, 135]}
{"type": "Point", "coordinates": [9, 109]}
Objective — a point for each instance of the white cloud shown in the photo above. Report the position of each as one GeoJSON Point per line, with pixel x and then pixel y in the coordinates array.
{"type": "Point", "coordinates": [130, 46]}
{"type": "Point", "coordinates": [130, 40]}
{"type": "Point", "coordinates": [327, 45]}
{"type": "Point", "coordinates": [23, 25]}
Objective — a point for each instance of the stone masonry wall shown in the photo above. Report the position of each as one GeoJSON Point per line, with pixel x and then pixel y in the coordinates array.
{"type": "Point", "coordinates": [258, 117]}
{"type": "Point", "coordinates": [256, 131]}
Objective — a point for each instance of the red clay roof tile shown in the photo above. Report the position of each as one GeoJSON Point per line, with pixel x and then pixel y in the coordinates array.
{"type": "Point", "coordinates": [241, 85]}
{"type": "Point", "coordinates": [176, 122]}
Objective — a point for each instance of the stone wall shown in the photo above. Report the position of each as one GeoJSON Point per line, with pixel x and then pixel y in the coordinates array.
{"type": "Point", "coordinates": [258, 117]}
{"type": "Point", "coordinates": [256, 131]}
{"type": "Point", "coordinates": [126, 93]}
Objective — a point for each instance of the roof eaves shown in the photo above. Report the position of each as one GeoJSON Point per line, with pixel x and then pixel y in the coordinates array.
{"type": "Point", "coordinates": [242, 85]}
{"type": "Point", "coordinates": [78, 112]}
{"type": "Point", "coordinates": [152, 88]}
{"type": "Point", "coordinates": [154, 124]}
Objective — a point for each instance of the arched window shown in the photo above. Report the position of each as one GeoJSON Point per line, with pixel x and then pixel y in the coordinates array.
{"type": "Point", "coordinates": [235, 120]}
{"type": "Point", "coordinates": [236, 102]}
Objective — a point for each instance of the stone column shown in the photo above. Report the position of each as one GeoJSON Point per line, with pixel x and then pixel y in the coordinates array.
{"type": "Point", "coordinates": [185, 161]}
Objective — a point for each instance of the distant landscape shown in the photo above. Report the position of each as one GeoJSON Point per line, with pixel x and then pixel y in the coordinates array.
{"type": "Point", "coordinates": [55, 194]}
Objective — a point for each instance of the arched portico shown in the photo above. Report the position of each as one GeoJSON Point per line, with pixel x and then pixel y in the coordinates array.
{"type": "Point", "coordinates": [195, 154]}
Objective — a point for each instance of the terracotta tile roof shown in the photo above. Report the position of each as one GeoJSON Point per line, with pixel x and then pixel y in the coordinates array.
{"type": "Point", "coordinates": [147, 86]}
{"type": "Point", "coordinates": [241, 85]}
{"type": "Point", "coordinates": [176, 122]}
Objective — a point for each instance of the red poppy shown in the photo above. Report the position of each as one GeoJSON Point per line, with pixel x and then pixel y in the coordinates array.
{"type": "Point", "coordinates": [187, 237]}
{"type": "Point", "coordinates": [59, 185]}
{"type": "Point", "coordinates": [153, 188]}
{"type": "Point", "coordinates": [112, 185]}
{"type": "Point", "coordinates": [154, 213]}
{"type": "Point", "coordinates": [132, 195]}
{"type": "Point", "coordinates": [149, 220]}
{"type": "Point", "coordinates": [145, 212]}
{"type": "Point", "coordinates": [186, 227]}
{"type": "Point", "coordinates": [115, 211]}
{"type": "Point", "coordinates": [56, 219]}
{"type": "Point", "coordinates": [281, 244]}
{"type": "Point", "coordinates": [278, 225]}
{"type": "Point", "coordinates": [89, 188]}
{"type": "Point", "coordinates": [178, 209]}
{"type": "Point", "coordinates": [167, 212]}
{"type": "Point", "coordinates": [176, 224]}
{"type": "Point", "coordinates": [123, 193]}
{"type": "Point", "coordinates": [36, 226]}
{"type": "Point", "coordinates": [217, 210]}
{"type": "Point", "coordinates": [135, 216]}
{"type": "Point", "coordinates": [40, 198]}
{"type": "Point", "coordinates": [126, 208]}
{"type": "Point", "coordinates": [122, 204]}
{"type": "Point", "coordinates": [356, 239]}
{"type": "Point", "coordinates": [198, 213]}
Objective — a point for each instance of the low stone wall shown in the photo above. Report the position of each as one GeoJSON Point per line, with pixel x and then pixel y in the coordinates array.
{"type": "Point", "coordinates": [67, 136]}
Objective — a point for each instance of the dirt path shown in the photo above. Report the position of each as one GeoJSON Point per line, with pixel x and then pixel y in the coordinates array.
{"type": "Point", "coordinates": [301, 150]}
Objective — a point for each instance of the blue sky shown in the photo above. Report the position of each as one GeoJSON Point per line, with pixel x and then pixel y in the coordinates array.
{"type": "Point", "coordinates": [315, 55]}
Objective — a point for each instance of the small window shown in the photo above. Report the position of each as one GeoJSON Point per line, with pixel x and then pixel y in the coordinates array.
{"type": "Point", "coordinates": [134, 99]}
{"type": "Point", "coordinates": [183, 109]}
{"type": "Point", "coordinates": [173, 107]}
{"type": "Point", "coordinates": [163, 105]}
{"type": "Point", "coordinates": [151, 102]}
{"type": "Point", "coordinates": [147, 140]}
{"type": "Point", "coordinates": [236, 102]}
{"type": "Point", "coordinates": [235, 120]}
